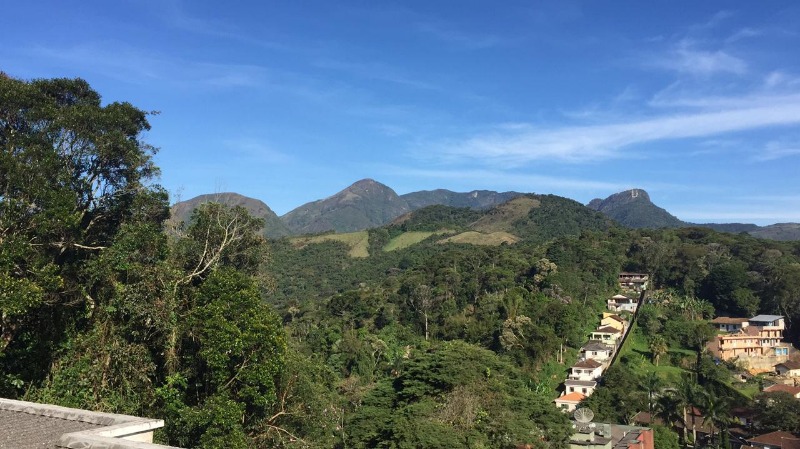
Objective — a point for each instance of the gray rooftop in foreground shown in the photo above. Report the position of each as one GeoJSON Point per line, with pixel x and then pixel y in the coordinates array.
{"type": "Point", "coordinates": [20, 430]}
{"type": "Point", "coordinates": [27, 425]}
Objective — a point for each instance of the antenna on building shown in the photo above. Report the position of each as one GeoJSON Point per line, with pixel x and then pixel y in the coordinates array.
{"type": "Point", "coordinates": [583, 416]}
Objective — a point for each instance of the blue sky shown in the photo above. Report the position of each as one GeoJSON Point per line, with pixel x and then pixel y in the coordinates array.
{"type": "Point", "coordinates": [289, 102]}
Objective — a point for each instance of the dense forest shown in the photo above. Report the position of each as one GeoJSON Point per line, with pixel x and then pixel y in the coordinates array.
{"type": "Point", "coordinates": [237, 341]}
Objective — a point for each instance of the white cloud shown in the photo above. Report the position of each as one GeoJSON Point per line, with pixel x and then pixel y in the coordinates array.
{"type": "Point", "coordinates": [375, 71]}
{"type": "Point", "coordinates": [578, 144]}
{"type": "Point", "coordinates": [132, 65]}
{"type": "Point", "coordinates": [448, 34]}
{"type": "Point", "coordinates": [779, 79]}
{"type": "Point", "coordinates": [744, 33]}
{"type": "Point", "coordinates": [778, 150]}
{"type": "Point", "coordinates": [251, 150]}
{"type": "Point", "coordinates": [687, 59]}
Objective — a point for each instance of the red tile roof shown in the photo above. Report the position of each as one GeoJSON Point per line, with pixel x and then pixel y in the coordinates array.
{"type": "Point", "coordinates": [588, 363]}
{"type": "Point", "coordinates": [790, 364]}
{"type": "Point", "coordinates": [794, 391]}
{"type": "Point", "coordinates": [780, 438]}
{"type": "Point", "coordinates": [572, 397]}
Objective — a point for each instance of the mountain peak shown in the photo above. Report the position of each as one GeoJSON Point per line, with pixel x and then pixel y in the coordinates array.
{"type": "Point", "coordinates": [362, 205]}
{"type": "Point", "coordinates": [633, 208]}
{"type": "Point", "coordinates": [273, 227]}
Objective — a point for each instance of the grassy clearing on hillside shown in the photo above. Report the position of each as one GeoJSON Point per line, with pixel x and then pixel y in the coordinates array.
{"type": "Point", "coordinates": [502, 218]}
{"type": "Point", "coordinates": [638, 357]}
{"type": "Point", "coordinates": [357, 241]}
{"type": "Point", "coordinates": [479, 238]}
{"type": "Point", "coordinates": [407, 239]}
{"type": "Point", "coordinates": [636, 353]}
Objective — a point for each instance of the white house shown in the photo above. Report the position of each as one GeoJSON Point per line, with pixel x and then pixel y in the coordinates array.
{"type": "Point", "coordinates": [789, 368]}
{"type": "Point", "coordinates": [569, 402]}
{"type": "Point", "coordinates": [586, 370]}
{"type": "Point", "coordinates": [597, 350]}
{"type": "Point", "coordinates": [607, 334]}
{"type": "Point", "coordinates": [585, 387]}
{"type": "Point", "coordinates": [620, 303]}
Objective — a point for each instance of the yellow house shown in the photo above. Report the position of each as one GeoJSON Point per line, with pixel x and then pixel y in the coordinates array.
{"type": "Point", "coordinates": [613, 320]}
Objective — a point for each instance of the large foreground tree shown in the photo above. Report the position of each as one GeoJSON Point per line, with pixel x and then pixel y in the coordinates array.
{"type": "Point", "coordinates": [73, 172]}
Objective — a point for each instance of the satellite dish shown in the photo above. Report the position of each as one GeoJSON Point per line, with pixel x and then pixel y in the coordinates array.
{"type": "Point", "coordinates": [584, 415]}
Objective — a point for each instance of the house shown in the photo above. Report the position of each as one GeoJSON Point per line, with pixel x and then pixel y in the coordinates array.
{"type": "Point", "coordinates": [610, 436]}
{"type": "Point", "coordinates": [585, 387]}
{"type": "Point", "coordinates": [743, 416]}
{"type": "Point", "coordinates": [586, 370]}
{"type": "Point", "coordinates": [569, 402]}
{"type": "Point", "coordinates": [596, 350]}
{"type": "Point", "coordinates": [607, 334]}
{"type": "Point", "coordinates": [728, 324]}
{"type": "Point", "coordinates": [613, 320]}
{"type": "Point", "coordinates": [622, 303]}
{"type": "Point", "coordinates": [633, 281]}
{"type": "Point", "coordinates": [29, 425]}
{"type": "Point", "coordinates": [789, 368]}
{"type": "Point", "coordinates": [792, 390]}
{"type": "Point", "coordinates": [775, 440]}
{"type": "Point", "coordinates": [757, 343]}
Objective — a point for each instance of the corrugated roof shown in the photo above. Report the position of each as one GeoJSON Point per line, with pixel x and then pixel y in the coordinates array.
{"type": "Point", "coordinates": [729, 320]}
{"type": "Point", "coordinates": [766, 318]}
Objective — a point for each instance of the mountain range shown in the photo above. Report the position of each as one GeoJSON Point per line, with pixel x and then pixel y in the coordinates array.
{"type": "Point", "coordinates": [368, 204]}
{"type": "Point", "coordinates": [634, 209]}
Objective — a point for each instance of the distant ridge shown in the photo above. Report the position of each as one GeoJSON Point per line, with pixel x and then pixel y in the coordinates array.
{"type": "Point", "coordinates": [477, 199]}
{"type": "Point", "coordinates": [273, 226]}
{"type": "Point", "coordinates": [633, 209]}
{"type": "Point", "coordinates": [368, 204]}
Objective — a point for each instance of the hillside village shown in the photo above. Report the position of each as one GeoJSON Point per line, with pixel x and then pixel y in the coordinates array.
{"type": "Point", "coordinates": [756, 345]}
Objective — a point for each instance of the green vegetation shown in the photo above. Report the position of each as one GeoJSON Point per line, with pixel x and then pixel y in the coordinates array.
{"type": "Point", "coordinates": [327, 340]}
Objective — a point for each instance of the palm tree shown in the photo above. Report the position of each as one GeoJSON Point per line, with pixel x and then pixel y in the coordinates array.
{"type": "Point", "coordinates": [669, 408]}
{"type": "Point", "coordinates": [658, 347]}
{"type": "Point", "coordinates": [717, 410]}
{"type": "Point", "coordinates": [688, 394]}
{"type": "Point", "coordinates": [652, 384]}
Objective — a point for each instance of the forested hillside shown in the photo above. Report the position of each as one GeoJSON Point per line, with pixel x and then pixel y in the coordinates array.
{"type": "Point", "coordinates": [236, 341]}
